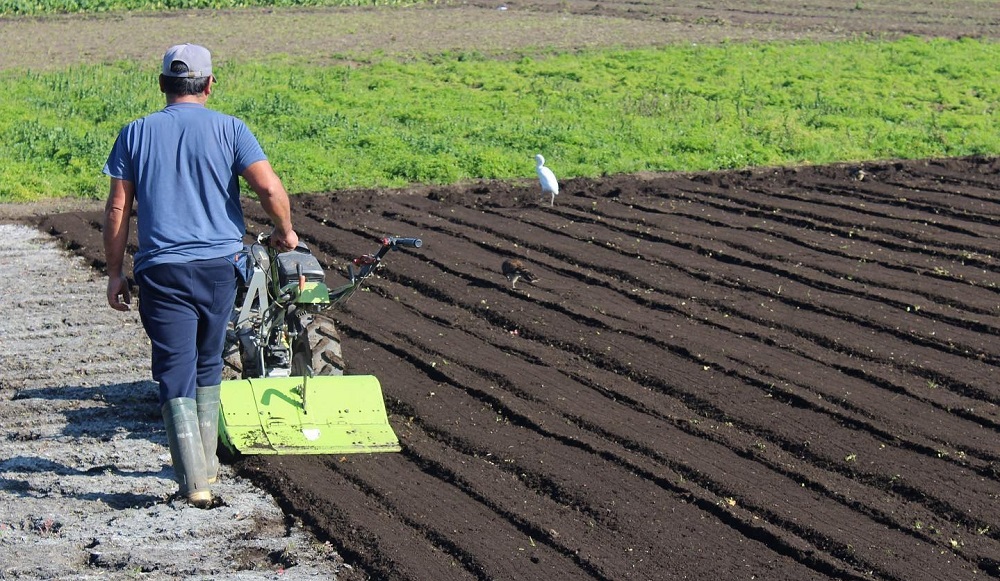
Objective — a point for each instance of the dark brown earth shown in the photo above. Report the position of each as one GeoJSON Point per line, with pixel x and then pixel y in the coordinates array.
{"type": "Point", "coordinates": [776, 374]}
{"type": "Point", "coordinates": [780, 374]}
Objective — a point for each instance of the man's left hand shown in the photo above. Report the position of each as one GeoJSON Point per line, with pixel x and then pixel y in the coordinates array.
{"type": "Point", "coordinates": [119, 295]}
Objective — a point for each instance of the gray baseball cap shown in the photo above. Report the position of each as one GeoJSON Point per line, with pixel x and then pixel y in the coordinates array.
{"type": "Point", "coordinates": [197, 58]}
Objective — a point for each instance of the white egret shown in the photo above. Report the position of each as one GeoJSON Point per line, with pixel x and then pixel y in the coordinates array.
{"type": "Point", "coordinates": [548, 179]}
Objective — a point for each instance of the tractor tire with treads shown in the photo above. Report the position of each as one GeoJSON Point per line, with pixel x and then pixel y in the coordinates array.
{"type": "Point", "coordinates": [232, 361]}
{"type": "Point", "coordinates": [317, 349]}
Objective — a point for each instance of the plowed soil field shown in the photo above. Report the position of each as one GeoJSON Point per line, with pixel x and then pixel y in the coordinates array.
{"type": "Point", "coordinates": [773, 374]}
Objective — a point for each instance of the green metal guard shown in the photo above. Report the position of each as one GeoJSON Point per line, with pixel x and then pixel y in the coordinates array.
{"type": "Point", "coordinates": [306, 415]}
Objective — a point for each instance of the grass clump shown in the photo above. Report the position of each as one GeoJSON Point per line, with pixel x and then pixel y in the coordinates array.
{"type": "Point", "coordinates": [459, 117]}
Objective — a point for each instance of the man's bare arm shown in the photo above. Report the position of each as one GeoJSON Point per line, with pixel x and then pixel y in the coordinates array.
{"type": "Point", "coordinates": [274, 199]}
{"type": "Point", "coordinates": [117, 213]}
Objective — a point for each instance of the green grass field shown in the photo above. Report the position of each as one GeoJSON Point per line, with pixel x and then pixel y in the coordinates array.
{"type": "Point", "coordinates": [458, 117]}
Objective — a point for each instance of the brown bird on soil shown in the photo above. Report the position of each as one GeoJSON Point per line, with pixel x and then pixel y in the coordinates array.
{"type": "Point", "coordinates": [514, 270]}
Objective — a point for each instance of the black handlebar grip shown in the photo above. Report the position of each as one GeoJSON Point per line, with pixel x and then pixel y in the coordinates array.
{"type": "Point", "coordinates": [405, 242]}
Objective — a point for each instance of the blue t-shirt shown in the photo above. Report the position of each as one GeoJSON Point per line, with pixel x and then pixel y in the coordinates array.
{"type": "Point", "coordinates": [185, 162]}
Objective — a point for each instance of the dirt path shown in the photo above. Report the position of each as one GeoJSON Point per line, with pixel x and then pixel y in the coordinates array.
{"type": "Point", "coordinates": [85, 483]}
{"type": "Point", "coordinates": [781, 374]}
{"type": "Point", "coordinates": [488, 26]}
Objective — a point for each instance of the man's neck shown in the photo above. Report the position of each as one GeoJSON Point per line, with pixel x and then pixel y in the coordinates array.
{"type": "Point", "coordinates": [196, 99]}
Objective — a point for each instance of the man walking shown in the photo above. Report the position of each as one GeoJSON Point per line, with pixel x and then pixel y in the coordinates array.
{"type": "Point", "coordinates": [179, 168]}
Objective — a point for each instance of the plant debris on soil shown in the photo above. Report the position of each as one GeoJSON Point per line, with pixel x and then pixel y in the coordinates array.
{"type": "Point", "coordinates": [777, 373]}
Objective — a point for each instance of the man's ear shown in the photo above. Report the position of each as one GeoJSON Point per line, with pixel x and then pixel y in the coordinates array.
{"type": "Point", "coordinates": [162, 88]}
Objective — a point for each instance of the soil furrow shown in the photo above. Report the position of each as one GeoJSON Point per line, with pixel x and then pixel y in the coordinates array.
{"type": "Point", "coordinates": [532, 465]}
{"type": "Point", "coordinates": [766, 333]}
{"type": "Point", "coordinates": [694, 467]}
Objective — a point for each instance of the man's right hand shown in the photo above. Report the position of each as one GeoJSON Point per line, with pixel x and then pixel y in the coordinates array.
{"type": "Point", "coordinates": [119, 295]}
{"type": "Point", "coordinates": [284, 241]}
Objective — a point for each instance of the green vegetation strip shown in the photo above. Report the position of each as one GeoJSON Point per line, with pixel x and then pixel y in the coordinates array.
{"type": "Point", "coordinates": [459, 117]}
{"type": "Point", "coordinates": [41, 7]}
